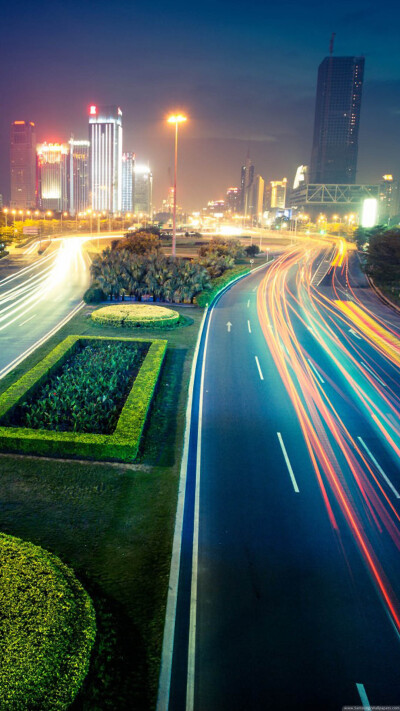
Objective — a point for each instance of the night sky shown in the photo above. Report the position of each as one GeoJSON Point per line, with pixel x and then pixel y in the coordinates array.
{"type": "Point", "coordinates": [244, 72]}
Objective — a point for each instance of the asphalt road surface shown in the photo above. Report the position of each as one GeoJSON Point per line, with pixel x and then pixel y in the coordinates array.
{"type": "Point", "coordinates": [289, 576]}
{"type": "Point", "coordinates": [38, 294]}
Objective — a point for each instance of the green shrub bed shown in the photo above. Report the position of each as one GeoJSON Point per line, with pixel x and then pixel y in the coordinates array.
{"type": "Point", "coordinates": [136, 315]}
{"type": "Point", "coordinates": [87, 393]}
{"type": "Point", "coordinates": [205, 297]}
{"type": "Point", "coordinates": [47, 629]}
{"type": "Point", "coordinates": [122, 444]}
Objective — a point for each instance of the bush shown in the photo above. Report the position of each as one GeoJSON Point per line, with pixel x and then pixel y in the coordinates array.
{"type": "Point", "coordinates": [121, 445]}
{"type": "Point", "coordinates": [136, 315]}
{"type": "Point", "coordinates": [217, 285]}
{"type": "Point", "coordinates": [94, 294]}
{"type": "Point", "coordinates": [47, 629]}
{"type": "Point", "coordinates": [252, 250]}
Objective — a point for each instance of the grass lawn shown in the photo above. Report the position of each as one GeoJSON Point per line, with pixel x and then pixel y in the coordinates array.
{"type": "Point", "coordinates": [112, 523]}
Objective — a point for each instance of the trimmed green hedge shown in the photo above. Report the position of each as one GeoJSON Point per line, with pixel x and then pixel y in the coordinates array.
{"type": "Point", "coordinates": [121, 445]}
{"type": "Point", "coordinates": [136, 315]}
{"type": "Point", "coordinates": [47, 629]}
{"type": "Point", "coordinates": [205, 297]}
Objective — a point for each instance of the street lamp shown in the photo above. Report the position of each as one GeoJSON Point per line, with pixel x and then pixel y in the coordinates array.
{"type": "Point", "coordinates": [176, 119]}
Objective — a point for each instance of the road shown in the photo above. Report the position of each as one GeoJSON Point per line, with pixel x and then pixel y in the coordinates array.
{"type": "Point", "coordinates": [38, 294]}
{"type": "Point", "coordinates": [289, 576]}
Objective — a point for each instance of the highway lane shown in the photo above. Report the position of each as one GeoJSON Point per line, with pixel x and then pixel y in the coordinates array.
{"type": "Point", "coordinates": [294, 598]}
{"type": "Point", "coordinates": [39, 298]}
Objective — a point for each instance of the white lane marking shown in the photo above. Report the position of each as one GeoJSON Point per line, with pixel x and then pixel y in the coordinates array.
{"type": "Point", "coordinates": [351, 330]}
{"type": "Point", "coordinates": [259, 368]}
{"type": "Point", "coordinates": [288, 464]}
{"type": "Point", "coordinates": [256, 287]}
{"type": "Point", "coordinates": [229, 326]}
{"type": "Point", "coordinates": [374, 374]}
{"type": "Point", "coordinates": [170, 614]}
{"type": "Point", "coordinates": [248, 303]}
{"type": "Point", "coordinates": [28, 319]}
{"type": "Point", "coordinates": [363, 696]}
{"type": "Point", "coordinates": [316, 371]}
{"type": "Point", "coordinates": [248, 326]}
{"type": "Point", "coordinates": [379, 468]}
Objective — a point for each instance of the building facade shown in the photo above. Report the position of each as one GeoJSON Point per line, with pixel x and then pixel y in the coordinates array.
{"type": "Point", "coordinates": [232, 202]}
{"type": "Point", "coordinates": [337, 119]}
{"type": "Point", "coordinates": [142, 190]}
{"type": "Point", "coordinates": [277, 193]}
{"type": "Point", "coordinates": [389, 202]}
{"type": "Point", "coordinates": [52, 174]}
{"type": "Point", "coordinates": [105, 136]}
{"type": "Point", "coordinates": [246, 182]}
{"type": "Point", "coordinates": [23, 164]}
{"type": "Point", "coordinates": [128, 165]}
{"type": "Point", "coordinates": [79, 185]}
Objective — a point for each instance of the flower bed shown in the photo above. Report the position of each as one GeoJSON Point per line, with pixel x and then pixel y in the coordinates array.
{"type": "Point", "coordinates": [136, 315]}
{"type": "Point", "coordinates": [122, 444]}
{"type": "Point", "coordinates": [47, 629]}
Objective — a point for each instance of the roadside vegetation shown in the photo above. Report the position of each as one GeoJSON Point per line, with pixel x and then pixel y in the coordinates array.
{"type": "Point", "coordinates": [382, 261]}
{"type": "Point", "coordinates": [136, 316]}
{"type": "Point", "coordinates": [47, 629]}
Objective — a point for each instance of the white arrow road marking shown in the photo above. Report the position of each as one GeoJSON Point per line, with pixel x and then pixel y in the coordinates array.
{"type": "Point", "coordinates": [229, 326]}
{"type": "Point", "coordinates": [288, 464]}
{"type": "Point", "coordinates": [351, 330]}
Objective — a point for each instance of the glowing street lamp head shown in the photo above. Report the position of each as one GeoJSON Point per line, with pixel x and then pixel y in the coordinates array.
{"type": "Point", "coordinates": [177, 118]}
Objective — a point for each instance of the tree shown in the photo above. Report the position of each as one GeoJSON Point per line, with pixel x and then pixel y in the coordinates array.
{"type": "Point", "coordinates": [383, 256]}
{"type": "Point", "coordinates": [223, 248]}
{"type": "Point", "coordinates": [215, 263]}
{"type": "Point", "coordinates": [252, 250]}
{"type": "Point", "coordinates": [140, 242]}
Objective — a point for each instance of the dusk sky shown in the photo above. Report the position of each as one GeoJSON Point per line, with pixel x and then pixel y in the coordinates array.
{"type": "Point", "coordinates": [244, 73]}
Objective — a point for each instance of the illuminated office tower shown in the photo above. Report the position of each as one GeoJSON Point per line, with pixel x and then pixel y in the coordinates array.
{"type": "Point", "coordinates": [337, 120]}
{"type": "Point", "coordinates": [52, 167]}
{"type": "Point", "coordinates": [142, 190]}
{"type": "Point", "coordinates": [246, 182]}
{"type": "Point", "coordinates": [79, 198]}
{"type": "Point", "coordinates": [105, 135]}
{"type": "Point", "coordinates": [128, 166]}
{"type": "Point", "coordinates": [277, 193]}
{"type": "Point", "coordinates": [23, 164]}
{"type": "Point", "coordinates": [232, 201]}
{"type": "Point", "coordinates": [256, 206]}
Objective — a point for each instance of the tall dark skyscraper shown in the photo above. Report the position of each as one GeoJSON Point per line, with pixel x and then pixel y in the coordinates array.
{"type": "Point", "coordinates": [23, 164]}
{"type": "Point", "coordinates": [337, 120]}
{"type": "Point", "coordinates": [246, 182]}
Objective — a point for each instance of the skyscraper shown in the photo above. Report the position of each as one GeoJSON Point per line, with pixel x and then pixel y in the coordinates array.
{"type": "Point", "coordinates": [246, 181]}
{"type": "Point", "coordinates": [277, 193]}
{"type": "Point", "coordinates": [128, 165]}
{"type": "Point", "coordinates": [232, 201]}
{"type": "Point", "coordinates": [52, 168]}
{"type": "Point", "coordinates": [23, 164]}
{"type": "Point", "coordinates": [337, 120]}
{"type": "Point", "coordinates": [105, 135]}
{"type": "Point", "coordinates": [142, 190]}
{"type": "Point", "coordinates": [79, 197]}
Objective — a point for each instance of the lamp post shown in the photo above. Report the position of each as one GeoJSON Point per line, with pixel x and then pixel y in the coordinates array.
{"type": "Point", "coordinates": [176, 119]}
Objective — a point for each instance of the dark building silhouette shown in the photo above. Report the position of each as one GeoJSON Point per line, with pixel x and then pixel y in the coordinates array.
{"type": "Point", "coordinates": [337, 120]}
{"type": "Point", "coordinates": [23, 164]}
{"type": "Point", "coordinates": [246, 181]}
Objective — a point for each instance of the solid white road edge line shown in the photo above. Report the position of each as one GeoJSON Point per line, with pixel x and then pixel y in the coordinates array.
{"type": "Point", "coordinates": [169, 626]}
{"type": "Point", "coordinates": [363, 696]}
{"type": "Point", "coordinates": [170, 614]}
{"type": "Point", "coordinates": [259, 368]}
{"type": "Point", "coordinates": [288, 464]}
{"type": "Point", "coordinates": [248, 326]}
{"type": "Point", "coordinates": [379, 468]}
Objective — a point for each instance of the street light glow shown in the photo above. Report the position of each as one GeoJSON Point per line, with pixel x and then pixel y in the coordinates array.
{"type": "Point", "coordinates": [177, 118]}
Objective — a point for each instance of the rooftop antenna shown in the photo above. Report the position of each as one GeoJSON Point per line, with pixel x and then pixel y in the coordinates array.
{"type": "Point", "coordinates": [331, 43]}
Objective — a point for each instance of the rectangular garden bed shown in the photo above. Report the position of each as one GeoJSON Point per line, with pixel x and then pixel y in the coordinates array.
{"type": "Point", "coordinates": [121, 443]}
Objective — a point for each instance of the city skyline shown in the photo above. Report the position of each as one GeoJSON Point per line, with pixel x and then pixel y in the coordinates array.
{"type": "Point", "coordinates": [259, 98]}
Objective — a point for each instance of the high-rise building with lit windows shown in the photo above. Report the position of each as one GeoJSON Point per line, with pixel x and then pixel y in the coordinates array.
{"type": "Point", "coordinates": [23, 164]}
{"type": "Point", "coordinates": [105, 135]}
{"type": "Point", "coordinates": [142, 190]}
{"type": "Point", "coordinates": [52, 171]}
{"type": "Point", "coordinates": [233, 200]}
{"type": "Point", "coordinates": [128, 166]}
{"type": "Point", "coordinates": [79, 187]}
{"type": "Point", "coordinates": [337, 120]}
{"type": "Point", "coordinates": [246, 182]}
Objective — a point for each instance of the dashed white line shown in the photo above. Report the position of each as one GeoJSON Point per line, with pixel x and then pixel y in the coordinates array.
{"type": "Point", "coordinates": [363, 696]}
{"type": "Point", "coordinates": [259, 368]}
{"type": "Point", "coordinates": [248, 325]}
{"type": "Point", "coordinates": [248, 304]}
{"type": "Point", "coordinates": [379, 468]}
{"type": "Point", "coordinates": [28, 319]}
{"type": "Point", "coordinates": [288, 464]}
{"type": "Point", "coordinates": [316, 371]}
{"type": "Point", "coordinates": [373, 374]}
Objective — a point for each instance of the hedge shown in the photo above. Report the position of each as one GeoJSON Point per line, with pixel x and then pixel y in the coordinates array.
{"type": "Point", "coordinates": [47, 629]}
{"type": "Point", "coordinates": [205, 297]}
{"type": "Point", "coordinates": [136, 315]}
{"type": "Point", "coordinates": [121, 445]}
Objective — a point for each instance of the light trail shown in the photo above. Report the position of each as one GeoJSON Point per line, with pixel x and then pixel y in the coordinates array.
{"type": "Point", "coordinates": [348, 479]}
